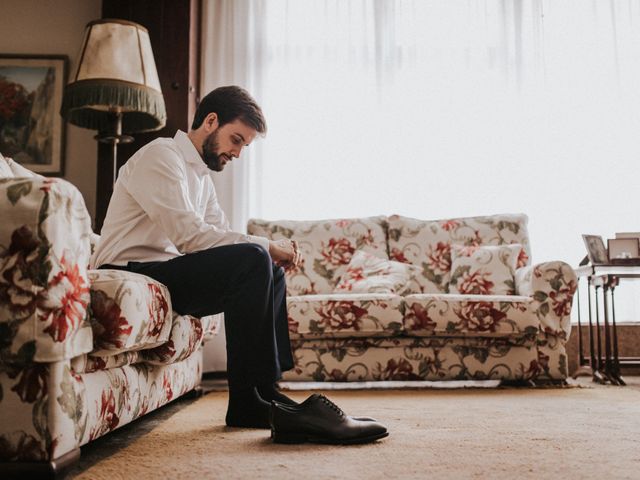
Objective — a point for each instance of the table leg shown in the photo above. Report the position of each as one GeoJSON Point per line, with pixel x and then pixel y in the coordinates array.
{"type": "Point", "coordinates": [592, 351]}
{"type": "Point", "coordinates": [581, 359]}
{"type": "Point", "coordinates": [584, 368]}
{"type": "Point", "coordinates": [616, 358]}
{"type": "Point", "coordinates": [597, 372]}
{"type": "Point", "coordinates": [608, 364]}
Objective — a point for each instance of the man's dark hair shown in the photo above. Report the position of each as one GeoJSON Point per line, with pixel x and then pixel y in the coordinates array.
{"type": "Point", "coordinates": [231, 103]}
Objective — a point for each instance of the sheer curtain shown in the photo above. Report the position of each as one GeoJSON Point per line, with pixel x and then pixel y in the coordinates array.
{"type": "Point", "coordinates": [232, 39]}
{"type": "Point", "coordinates": [444, 108]}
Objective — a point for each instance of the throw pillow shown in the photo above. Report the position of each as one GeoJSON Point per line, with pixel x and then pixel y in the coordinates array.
{"type": "Point", "coordinates": [367, 273]}
{"type": "Point", "coordinates": [484, 270]}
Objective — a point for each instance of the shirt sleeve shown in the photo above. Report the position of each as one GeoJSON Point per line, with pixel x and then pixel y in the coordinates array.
{"type": "Point", "coordinates": [158, 182]}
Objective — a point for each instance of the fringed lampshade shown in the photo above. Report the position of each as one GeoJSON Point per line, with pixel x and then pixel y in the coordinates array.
{"type": "Point", "coordinates": [116, 86]}
{"type": "Point", "coordinates": [116, 73]}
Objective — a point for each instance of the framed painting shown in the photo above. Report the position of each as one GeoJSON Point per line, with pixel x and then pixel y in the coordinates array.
{"type": "Point", "coordinates": [32, 132]}
{"type": "Point", "coordinates": [596, 250]}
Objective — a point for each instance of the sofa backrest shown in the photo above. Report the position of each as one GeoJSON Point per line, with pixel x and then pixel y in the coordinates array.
{"type": "Point", "coordinates": [326, 247]}
{"type": "Point", "coordinates": [427, 243]}
{"type": "Point", "coordinates": [44, 288]}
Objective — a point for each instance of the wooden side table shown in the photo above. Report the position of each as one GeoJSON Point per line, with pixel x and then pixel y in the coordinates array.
{"type": "Point", "coordinates": [603, 366]}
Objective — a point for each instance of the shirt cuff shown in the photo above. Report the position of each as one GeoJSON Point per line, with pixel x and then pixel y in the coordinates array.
{"type": "Point", "coordinates": [262, 241]}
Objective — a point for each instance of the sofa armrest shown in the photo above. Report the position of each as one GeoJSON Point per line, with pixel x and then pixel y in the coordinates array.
{"type": "Point", "coordinates": [551, 285]}
{"type": "Point", "coordinates": [44, 288]}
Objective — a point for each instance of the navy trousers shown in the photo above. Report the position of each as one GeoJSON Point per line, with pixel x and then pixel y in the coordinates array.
{"type": "Point", "coordinates": [241, 281]}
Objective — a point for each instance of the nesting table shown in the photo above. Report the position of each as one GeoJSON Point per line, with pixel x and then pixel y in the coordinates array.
{"type": "Point", "coordinates": [603, 362]}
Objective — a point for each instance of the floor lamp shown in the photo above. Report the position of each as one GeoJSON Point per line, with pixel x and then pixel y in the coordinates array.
{"type": "Point", "coordinates": [116, 87]}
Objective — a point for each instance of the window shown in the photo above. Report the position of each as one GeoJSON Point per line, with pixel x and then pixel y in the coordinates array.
{"type": "Point", "coordinates": [439, 109]}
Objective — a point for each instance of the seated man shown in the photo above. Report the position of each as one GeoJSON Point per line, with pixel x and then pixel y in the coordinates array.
{"type": "Point", "coordinates": [164, 221]}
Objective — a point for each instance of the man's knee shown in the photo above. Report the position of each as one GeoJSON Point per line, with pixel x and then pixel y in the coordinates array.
{"type": "Point", "coordinates": [257, 257]}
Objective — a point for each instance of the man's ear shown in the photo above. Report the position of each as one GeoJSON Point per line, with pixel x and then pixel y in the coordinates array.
{"type": "Point", "coordinates": [210, 122]}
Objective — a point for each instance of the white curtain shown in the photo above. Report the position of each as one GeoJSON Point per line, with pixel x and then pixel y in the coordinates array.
{"type": "Point", "coordinates": [437, 109]}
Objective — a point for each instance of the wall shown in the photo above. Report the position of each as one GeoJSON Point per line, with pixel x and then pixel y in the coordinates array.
{"type": "Point", "coordinates": [48, 28]}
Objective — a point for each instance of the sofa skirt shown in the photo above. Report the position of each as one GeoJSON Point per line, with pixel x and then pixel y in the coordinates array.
{"type": "Point", "coordinates": [433, 359]}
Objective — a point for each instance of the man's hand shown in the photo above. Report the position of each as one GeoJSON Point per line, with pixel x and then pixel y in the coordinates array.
{"type": "Point", "coordinates": [284, 253]}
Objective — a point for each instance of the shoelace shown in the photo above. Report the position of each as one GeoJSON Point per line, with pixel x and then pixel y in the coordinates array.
{"type": "Point", "coordinates": [332, 405]}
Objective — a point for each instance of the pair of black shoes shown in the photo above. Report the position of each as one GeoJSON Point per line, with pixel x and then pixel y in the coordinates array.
{"type": "Point", "coordinates": [319, 420]}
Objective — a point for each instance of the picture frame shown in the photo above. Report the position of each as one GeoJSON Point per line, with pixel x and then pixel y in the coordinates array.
{"type": "Point", "coordinates": [623, 248]}
{"type": "Point", "coordinates": [596, 251]}
{"type": "Point", "coordinates": [32, 131]}
{"type": "Point", "coordinates": [628, 235]}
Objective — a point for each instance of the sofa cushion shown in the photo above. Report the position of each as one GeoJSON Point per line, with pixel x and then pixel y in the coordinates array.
{"type": "Point", "coordinates": [345, 315]}
{"type": "Point", "coordinates": [427, 243]}
{"type": "Point", "coordinates": [470, 315]}
{"type": "Point", "coordinates": [484, 270]}
{"type": "Point", "coordinates": [129, 311]}
{"type": "Point", "coordinates": [326, 248]}
{"type": "Point", "coordinates": [88, 363]}
{"type": "Point", "coordinates": [367, 273]}
{"type": "Point", "coordinates": [185, 338]}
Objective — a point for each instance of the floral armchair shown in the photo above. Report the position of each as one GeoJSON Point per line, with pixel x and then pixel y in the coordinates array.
{"type": "Point", "coordinates": [82, 352]}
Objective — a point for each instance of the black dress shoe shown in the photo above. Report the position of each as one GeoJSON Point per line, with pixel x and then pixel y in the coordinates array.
{"type": "Point", "coordinates": [319, 420]}
{"type": "Point", "coordinates": [301, 405]}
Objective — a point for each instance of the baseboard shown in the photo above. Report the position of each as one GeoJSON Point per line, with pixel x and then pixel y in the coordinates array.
{"type": "Point", "coordinates": [628, 345]}
{"type": "Point", "coordinates": [214, 375]}
{"type": "Point", "coordinates": [39, 470]}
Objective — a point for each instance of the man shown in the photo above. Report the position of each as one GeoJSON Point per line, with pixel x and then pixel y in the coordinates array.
{"type": "Point", "coordinates": [164, 221]}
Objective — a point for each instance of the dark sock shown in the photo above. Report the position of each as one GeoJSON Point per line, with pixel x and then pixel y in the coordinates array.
{"type": "Point", "coordinates": [246, 409]}
{"type": "Point", "coordinates": [269, 392]}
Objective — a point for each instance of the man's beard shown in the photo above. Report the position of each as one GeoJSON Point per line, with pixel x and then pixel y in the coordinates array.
{"type": "Point", "coordinates": [210, 153]}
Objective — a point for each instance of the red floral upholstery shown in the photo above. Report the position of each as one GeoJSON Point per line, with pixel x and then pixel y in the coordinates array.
{"type": "Point", "coordinates": [426, 333]}
{"type": "Point", "coordinates": [326, 248]}
{"type": "Point", "coordinates": [431, 358]}
{"type": "Point", "coordinates": [128, 311]}
{"type": "Point", "coordinates": [71, 367]}
{"type": "Point", "coordinates": [44, 289]}
{"type": "Point", "coordinates": [470, 316]}
{"type": "Point", "coordinates": [428, 243]}
{"type": "Point", "coordinates": [185, 338]}
{"type": "Point", "coordinates": [345, 315]}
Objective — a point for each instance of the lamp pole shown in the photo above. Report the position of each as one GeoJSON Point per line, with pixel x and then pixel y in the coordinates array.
{"type": "Point", "coordinates": [114, 137]}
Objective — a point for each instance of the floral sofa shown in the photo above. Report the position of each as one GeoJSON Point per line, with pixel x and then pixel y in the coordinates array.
{"type": "Point", "coordinates": [81, 352]}
{"type": "Point", "coordinates": [397, 298]}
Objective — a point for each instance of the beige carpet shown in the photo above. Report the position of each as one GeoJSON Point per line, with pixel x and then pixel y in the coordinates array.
{"type": "Point", "coordinates": [572, 433]}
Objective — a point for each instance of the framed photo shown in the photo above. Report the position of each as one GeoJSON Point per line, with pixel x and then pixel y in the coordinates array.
{"type": "Point", "coordinates": [596, 251]}
{"type": "Point", "coordinates": [620, 248]}
{"type": "Point", "coordinates": [32, 131]}
{"type": "Point", "coordinates": [627, 235]}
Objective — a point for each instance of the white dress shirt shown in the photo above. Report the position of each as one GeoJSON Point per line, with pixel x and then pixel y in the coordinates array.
{"type": "Point", "coordinates": [164, 205]}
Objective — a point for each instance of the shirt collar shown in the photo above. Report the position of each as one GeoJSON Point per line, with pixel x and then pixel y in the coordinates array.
{"type": "Point", "coordinates": [190, 153]}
